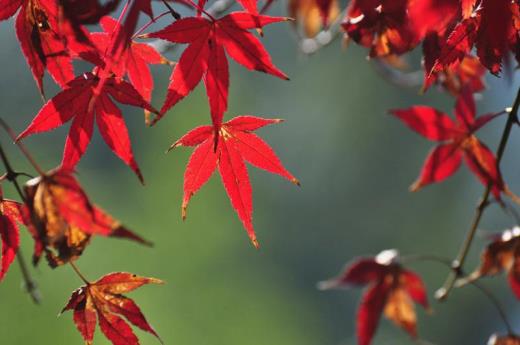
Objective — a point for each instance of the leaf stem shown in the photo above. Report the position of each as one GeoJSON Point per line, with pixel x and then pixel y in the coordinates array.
{"type": "Point", "coordinates": [21, 146]}
{"type": "Point", "coordinates": [457, 264]}
{"type": "Point", "coordinates": [78, 272]}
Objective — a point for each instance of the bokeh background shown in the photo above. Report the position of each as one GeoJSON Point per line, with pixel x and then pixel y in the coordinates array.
{"type": "Point", "coordinates": [355, 163]}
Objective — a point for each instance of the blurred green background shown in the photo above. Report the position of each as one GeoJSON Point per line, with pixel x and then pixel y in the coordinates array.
{"type": "Point", "coordinates": [355, 163]}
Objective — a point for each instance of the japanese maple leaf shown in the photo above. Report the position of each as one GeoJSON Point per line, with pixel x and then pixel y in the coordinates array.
{"type": "Point", "coordinates": [392, 291]}
{"type": "Point", "coordinates": [134, 61]}
{"type": "Point", "coordinates": [205, 57]}
{"type": "Point", "coordinates": [62, 218]}
{"type": "Point", "coordinates": [313, 15]}
{"type": "Point", "coordinates": [469, 73]}
{"type": "Point", "coordinates": [79, 102]}
{"type": "Point", "coordinates": [491, 29]}
{"type": "Point", "coordinates": [11, 214]}
{"type": "Point", "coordinates": [457, 140]}
{"type": "Point", "coordinates": [510, 339]}
{"type": "Point", "coordinates": [502, 254]}
{"type": "Point", "coordinates": [104, 300]}
{"type": "Point", "coordinates": [237, 144]}
{"type": "Point", "coordinates": [48, 41]}
{"type": "Point", "coordinates": [381, 25]}
{"type": "Point", "coordinates": [437, 16]}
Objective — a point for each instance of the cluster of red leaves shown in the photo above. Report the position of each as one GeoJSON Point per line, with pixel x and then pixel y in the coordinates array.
{"type": "Point", "coordinates": [58, 35]}
{"type": "Point", "coordinates": [448, 30]}
{"type": "Point", "coordinates": [392, 291]}
{"type": "Point", "coordinates": [57, 212]}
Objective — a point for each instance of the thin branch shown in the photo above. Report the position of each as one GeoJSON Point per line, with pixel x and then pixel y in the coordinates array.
{"type": "Point", "coordinates": [30, 285]}
{"type": "Point", "coordinates": [458, 263]}
{"type": "Point", "coordinates": [457, 270]}
{"type": "Point", "coordinates": [497, 305]}
{"type": "Point", "coordinates": [215, 10]}
{"type": "Point", "coordinates": [174, 13]}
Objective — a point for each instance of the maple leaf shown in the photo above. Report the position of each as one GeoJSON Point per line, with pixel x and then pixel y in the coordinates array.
{"type": "Point", "coordinates": [469, 73]}
{"type": "Point", "coordinates": [205, 57]}
{"type": "Point", "coordinates": [313, 15]}
{"type": "Point", "coordinates": [457, 140]}
{"type": "Point", "coordinates": [381, 25]}
{"type": "Point", "coordinates": [437, 16]}
{"type": "Point", "coordinates": [103, 300]}
{"type": "Point", "coordinates": [502, 254]}
{"type": "Point", "coordinates": [11, 214]}
{"type": "Point", "coordinates": [79, 102]}
{"type": "Point", "coordinates": [510, 339]}
{"type": "Point", "coordinates": [491, 29]}
{"type": "Point", "coordinates": [236, 144]}
{"type": "Point", "coordinates": [48, 41]}
{"type": "Point", "coordinates": [134, 61]}
{"type": "Point", "coordinates": [62, 218]}
{"type": "Point", "coordinates": [392, 291]}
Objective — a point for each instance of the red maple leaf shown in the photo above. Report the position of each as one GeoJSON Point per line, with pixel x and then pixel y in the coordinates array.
{"type": "Point", "coordinates": [103, 300]}
{"type": "Point", "coordinates": [48, 41]}
{"type": "Point", "coordinates": [491, 28]}
{"type": "Point", "coordinates": [133, 61]}
{"type": "Point", "coordinates": [11, 214]}
{"type": "Point", "coordinates": [392, 292]}
{"type": "Point", "coordinates": [457, 140]}
{"type": "Point", "coordinates": [79, 102]}
{"type": "Point", "coordinates": [469, 73]}
{"type": "Point", "coordinates": [236, 144]}
{"type": "Point", "coordinates": [205, 57]}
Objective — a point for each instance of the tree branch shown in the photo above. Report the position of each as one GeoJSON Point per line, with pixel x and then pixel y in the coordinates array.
{"type": "Point", "coordinates": [457, 264]}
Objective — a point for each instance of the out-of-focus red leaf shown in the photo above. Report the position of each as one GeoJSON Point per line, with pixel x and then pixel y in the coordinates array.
{"type": "Point", "coordinates": [391, 291]}
{"type": "Point", "coordinates": [457, 140]}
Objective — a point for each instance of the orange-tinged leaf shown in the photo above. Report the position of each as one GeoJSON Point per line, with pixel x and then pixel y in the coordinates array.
{"type": "Point", "coordinates": [62, 218]}
{"type": "Point", "coordinates": [103, 300]}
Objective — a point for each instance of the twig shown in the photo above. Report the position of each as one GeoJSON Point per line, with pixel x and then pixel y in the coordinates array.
{"type": "Point", "coordinates": [30, 285]}
{"type": "Point", "coordinates": [497, 305]}
{"type": "Point", "coordinates": [447, 262]}
{"type": "Point", "coordinates": [215, 10]}
{"type": "Point", "coordinates": [444, 291]}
